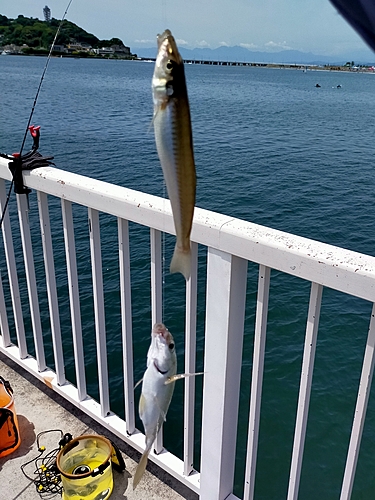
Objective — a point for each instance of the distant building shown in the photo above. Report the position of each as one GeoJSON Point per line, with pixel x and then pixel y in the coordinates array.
{"type": "Point", "coordinates": [104, 51]}
{"type": "Point", "coordinates": [78, 47]}
{"type": "Point", "coordinates": [59, 48]}
{"type": "Point", "coordinates": [11, 49]}
{"type": "Point", "coordinates": [114, 50]}
{"type": "Point", "coordinates": [47, 13]}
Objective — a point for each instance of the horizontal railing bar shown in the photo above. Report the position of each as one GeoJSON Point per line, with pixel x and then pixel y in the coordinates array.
{"type": "Point", "coordinates": [113, 423]}
{"type": "Point", "coordinates": [324, 264]}
{"type": "Point", "coordinates": [228, 238]}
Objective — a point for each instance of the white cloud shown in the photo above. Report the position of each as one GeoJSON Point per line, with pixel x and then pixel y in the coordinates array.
{"type": "Point", "coordinates": [248, 45]}
{"type": "Point", "coordinates": [180, 41]}
{"type": "Point", "coordinates": [144, 41]}
{"type": "Point", "coordinates": [224, 44]}
{"type": "Point", "coordinates": [277, 45]}
{"type": "Point", "coordinates": [203, 43]}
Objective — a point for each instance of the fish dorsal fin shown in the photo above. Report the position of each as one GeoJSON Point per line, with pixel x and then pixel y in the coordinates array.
{"type": "Point", "coordinates": [179, 376]}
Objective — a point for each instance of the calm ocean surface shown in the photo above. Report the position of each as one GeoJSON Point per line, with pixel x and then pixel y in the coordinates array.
{"type": "Point", "coordinates": [270, 148]}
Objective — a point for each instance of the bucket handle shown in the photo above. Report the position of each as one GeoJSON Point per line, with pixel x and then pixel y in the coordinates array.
{"type": "Point", "coordinates": [6, 385]}
{"type": "Point", "coordinates": [100, 469]}
{"type": "Point", "coordinates": [95, 472]}
{"type": "Point", "coordinates": [69, 446]}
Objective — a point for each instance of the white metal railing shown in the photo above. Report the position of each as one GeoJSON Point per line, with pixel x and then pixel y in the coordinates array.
{"type": "Point", "coordinates": [231, 243]}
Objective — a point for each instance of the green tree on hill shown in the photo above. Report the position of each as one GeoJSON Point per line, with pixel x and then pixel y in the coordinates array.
{"type": "Point", "coordinates": [109, 43]}
{"type": "Point", "coordinates": [36, 33]}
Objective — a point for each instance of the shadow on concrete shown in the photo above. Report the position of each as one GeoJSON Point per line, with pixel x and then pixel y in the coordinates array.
{"type": "Point", "coordinates": [121, 481]}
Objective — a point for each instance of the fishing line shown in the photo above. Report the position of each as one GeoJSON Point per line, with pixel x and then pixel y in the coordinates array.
{"type": "Point", "coordinates": [6, 203]}
{"type": "Point", "coordinates": [164, 13]}
{"type": "Point", "coordinates": [44, 72]}
{"type": "Point", "coordinates": [163, 20]}
{"type": "Point", "coordinates": [33, 107]}
{"type": "Point", "coordinates": [163, 259]}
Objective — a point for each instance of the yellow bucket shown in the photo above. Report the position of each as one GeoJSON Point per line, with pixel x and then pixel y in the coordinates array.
{"type": "Point", "coordinates": [86, 468]}
{"type": "Point", "coordinates": [9, 430]}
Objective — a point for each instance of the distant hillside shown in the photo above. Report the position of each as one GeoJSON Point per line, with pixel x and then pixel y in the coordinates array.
{"type": "Point", "coordinates": [40, 34]}
{"type": "Point", "coordinates": [241, 54]}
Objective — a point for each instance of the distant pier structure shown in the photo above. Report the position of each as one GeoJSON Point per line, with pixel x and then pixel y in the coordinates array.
{"type": "Point", "coordinates": [231, 63]}
{"type": "Point", "coordinates": [47, 14]}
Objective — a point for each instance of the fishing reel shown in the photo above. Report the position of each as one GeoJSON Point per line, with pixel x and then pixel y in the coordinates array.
{"type": "Point", "coordinates": [28, 161]}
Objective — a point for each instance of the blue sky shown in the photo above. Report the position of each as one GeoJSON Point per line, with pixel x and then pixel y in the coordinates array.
{"type": "Point", "coordinates": [264, 25]}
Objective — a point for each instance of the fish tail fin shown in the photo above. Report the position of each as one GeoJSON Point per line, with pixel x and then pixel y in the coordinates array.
{"type": "Point", "coordinates": [141, 468]}
{"type": "Point", "coordinates": [181, 262]}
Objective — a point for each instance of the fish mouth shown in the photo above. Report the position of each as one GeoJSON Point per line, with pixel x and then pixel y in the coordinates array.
{"type": "Point", "coordinates": [167, 39]}
{"type": "Point", "coordinates": [166, 35]}
{"type": "Point", "coordinates": [162, 331]}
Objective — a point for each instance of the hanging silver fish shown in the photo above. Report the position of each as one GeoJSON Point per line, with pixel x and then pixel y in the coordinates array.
{"type": "Point", "coordinates": [174, 142]}
{"type": "Point", "coordinates": [157, 389]}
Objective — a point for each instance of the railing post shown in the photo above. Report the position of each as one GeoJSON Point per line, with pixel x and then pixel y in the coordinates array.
{"type": "Point", "coordinates": [23, 215]}
{"type": "Point", "coordinates": [190, 349]}
{"type": "Point", "coordinates": [4, 327]}
{"type": "Point", "coordinates": [12, 273]}
{"type": "Point", "coordinates": [312, 325]}
{"type": "Point", "coordinates": [225, 309]}
{"type": "Point", "coordinates": [126, 323]}
{"type": "Point", "coordinates": [257, 379]}
{"type": "Point", "coordinates": [360, 411]}
{"type": "Point", "coordinates": [156, 277]}
{"type": "Point", "coordinates": [156, 300]}
{"type": "Point", "coordinates": [53, 304]}
{"type": "Point", "coordinates": [75, 310]}
{"type": "Point", "coordinates": [99, 314]}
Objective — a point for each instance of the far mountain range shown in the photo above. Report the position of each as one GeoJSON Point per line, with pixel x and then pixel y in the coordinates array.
{"type": "Point", "coordinates": [241, 54]}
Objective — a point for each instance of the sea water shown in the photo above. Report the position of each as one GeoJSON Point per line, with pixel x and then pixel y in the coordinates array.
{"type": "Point", "coordinates": [270, 148]}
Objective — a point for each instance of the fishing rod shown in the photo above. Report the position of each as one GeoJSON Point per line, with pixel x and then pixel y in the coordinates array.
{"type": "Point", "coordinates": [32, 159]}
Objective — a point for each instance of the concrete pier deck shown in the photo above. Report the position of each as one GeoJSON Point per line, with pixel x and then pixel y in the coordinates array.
{"type": "Point", "coordinates": [40, 409]}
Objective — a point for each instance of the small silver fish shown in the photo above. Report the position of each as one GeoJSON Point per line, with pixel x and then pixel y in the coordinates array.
{"type": "Point", "coordinates": [174, 143]}
{"type": "Point", "coordinates": [157, 389]}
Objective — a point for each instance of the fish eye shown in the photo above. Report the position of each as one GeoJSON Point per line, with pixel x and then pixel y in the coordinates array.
{"type": "Point", "coordinates": [171, 346]}
{"type": "Point", "coordinates": [169, 65]}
